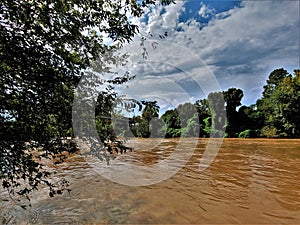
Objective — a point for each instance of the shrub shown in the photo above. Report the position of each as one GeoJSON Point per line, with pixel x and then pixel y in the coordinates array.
{"type": "Point", "coordinates": [269, 132]}
{"type": "Point", "coordinates": [249, 134]}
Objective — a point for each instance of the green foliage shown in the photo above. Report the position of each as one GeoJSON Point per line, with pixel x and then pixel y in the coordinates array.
{"type": "Point", "coordinates": [156, 128]}
{"type": "Point", "coordinates": [192, 127]}
{"type": "Point", "coordinates": [273, 81]}
{"type": "Point", "coordinates": [149, 113]}
{"type": "Point", "coordinates": [204, 113]}
{"type": "Point", "coordinates": [148, 124]}
{"type": "Point", "coordinates": [218, 113]}
{"type": "Point", "coordinates": [181, 122]}
{"type": "Point", "coordinates": [207, 127]}
{"type": "Point", "coordinates": [269, 132]}
{"type": "Point", "coordinates": [185, 112]}
{"type": "Point", "coordinates": [150, 110]}
{"type": "Point", "coordinates": [276, 114]}
{"type": "Point", "coordinates": [250, 118]}
{"type": "Point", "coordinates": [249, 134]}
{"type": "Point", "coordinates": [233, 97]}
{"type": "Point", "coordinates": [172, 123]}
{"type": "Point", "coordinates": [45, 48]}
{"type": "Point", "coordinates": [280, 104]}
{"type": "Point", "coordinates": [134, 124]}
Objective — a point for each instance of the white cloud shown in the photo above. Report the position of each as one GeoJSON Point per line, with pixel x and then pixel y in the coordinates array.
{"type": "Point", "coordinates": [165, 91]}
{"type": "Point", "coordinates": [241, 45]}
{"type": "Point", "coordinates": [205, 11]}
{"type": "Point", "coordinates": [160, 19]}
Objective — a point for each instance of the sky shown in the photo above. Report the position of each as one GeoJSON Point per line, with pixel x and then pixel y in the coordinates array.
{"type": "Point", "coordinates": [212, 46]}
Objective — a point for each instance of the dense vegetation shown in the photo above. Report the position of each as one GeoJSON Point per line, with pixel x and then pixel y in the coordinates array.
{"type": "Point", "coordinates": [275, 114]}
{"type": "Point", "coordinates": [46, 47]}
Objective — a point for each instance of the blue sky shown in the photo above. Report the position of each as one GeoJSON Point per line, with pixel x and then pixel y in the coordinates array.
{"type": "Point", "coordinates": [211, 46]}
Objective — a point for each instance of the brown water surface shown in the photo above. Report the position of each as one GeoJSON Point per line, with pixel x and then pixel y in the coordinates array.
{"type": "Point", "coordinates": [251, 181]}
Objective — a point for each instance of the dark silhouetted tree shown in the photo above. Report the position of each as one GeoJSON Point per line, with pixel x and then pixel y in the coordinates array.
{"type": "Point", "coordinates": [45, 48]}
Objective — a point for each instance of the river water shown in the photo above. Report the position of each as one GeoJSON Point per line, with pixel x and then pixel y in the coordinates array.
{"type": "Point", "coordinates": [250, 181]}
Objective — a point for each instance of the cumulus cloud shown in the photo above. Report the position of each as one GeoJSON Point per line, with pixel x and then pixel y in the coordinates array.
{"type": "Point", "coordinates": [240, 46]}
{"type": "Point", "coordinates": [205, 11]}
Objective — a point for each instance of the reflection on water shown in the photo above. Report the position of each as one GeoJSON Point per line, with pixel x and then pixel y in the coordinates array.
{"type": "Point", "coordinates": [250, 181]}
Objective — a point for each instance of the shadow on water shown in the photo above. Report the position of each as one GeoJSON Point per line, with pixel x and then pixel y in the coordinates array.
{"type": "Point", "coordinates": [250, 181]}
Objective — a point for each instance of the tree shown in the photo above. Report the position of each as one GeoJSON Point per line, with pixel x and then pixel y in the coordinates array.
{"type": "Point", "coordinates": [233, 97]}
{"type": "Point", "coordinates": [192, 128]}
{"type": "Point", "coordinates": [264, 105]}
{"type": "Point", "coordinates": [45, 48]}
{"type": "Point", "coordinates": [182, 121]}
{"type": "Point", "coordinates": [280, 104]}
{"type": "Point", "coordinates": [274, 79]}
{"type": "Point", "coordinates": [134, 123]}
{"type": "Point", "coordinates": [150, 112]}
{"type": "Point", "coordinates": [251, 119]}
{"type": "Point", "coordinates": [189, 120]}
{"type": "Point", "coordinates": [218, 113]}
{"type": "Point", "coordinates": [186, 111]}
{"type": "Point", "coordinates": [155, 128]}
{"type": "Point", "coordinates": [172, 123]}
{"type": "Point", "coordinates": [285, 107]}
{"type": "Point", "coordinates": [203, 111]}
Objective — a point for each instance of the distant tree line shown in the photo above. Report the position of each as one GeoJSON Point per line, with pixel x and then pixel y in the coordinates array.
{"type": "Point", "coordinates": [275, 114]}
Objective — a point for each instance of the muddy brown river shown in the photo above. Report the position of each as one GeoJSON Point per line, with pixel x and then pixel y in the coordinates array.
{"type": "Point", "coordinates": [250, 181]}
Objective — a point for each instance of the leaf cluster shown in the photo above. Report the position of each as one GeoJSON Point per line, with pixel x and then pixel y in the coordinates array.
{"type": "Point", "coordinates": [46, 46]}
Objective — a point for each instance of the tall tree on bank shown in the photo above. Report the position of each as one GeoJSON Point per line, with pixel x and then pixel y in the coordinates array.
{"type": "Point", "coordinates": [218, 113]}
{"type": "Point", "coordinates": [172, 121]}
{"type": "Point", "coordinates": [233, 97]}
{"type": "Point", "coordinates": [280, 104]}
{"type": "Point", "coordinates": [251, 121]}
{"type": "Point", "coordinates": [45, 47]}
{"type": "Point", "coordinates": [204, 115]}
{"type": "Point", "coordinates": [147, 126]}
{"type": "Point", "coordinates": [273, 81]}
{"type": "Point", "coordinates": [265, 105]}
